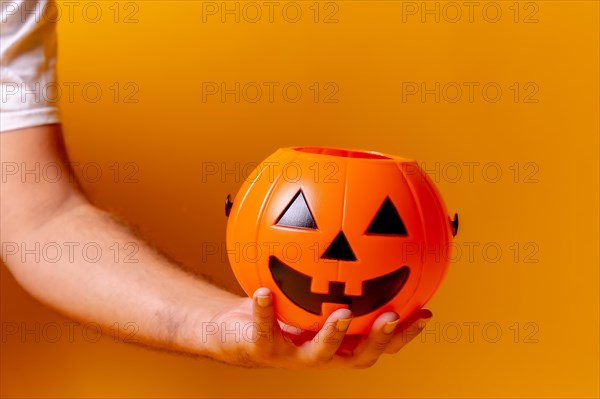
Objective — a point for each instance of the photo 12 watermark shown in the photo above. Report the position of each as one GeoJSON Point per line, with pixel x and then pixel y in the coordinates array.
{"type": "Point", "coordinates": [490, 332]}
{"type": "Point", "coordinates": [288, 12]}
{"type": "Point", "coordinates": [270, 92]}
{"type": "Point", "coordinates": [84, 172]}
{"type": "Point", "coordinates": [68, 331]}
{"type": "Point", "coordinates": [90, 92]}
{"type": "Point", "coordinates": [452, 12]}
{"type": "Point", "coordinates": [90, 12]}
{"type": "Point", "coordinates": [470, 92]}
{"type": "Point", "coordinates": [70, 252]}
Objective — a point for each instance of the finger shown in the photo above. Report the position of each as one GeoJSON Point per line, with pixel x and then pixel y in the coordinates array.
{"type": "Point", "coordinates": [263, 316]}
{"type": "Point", "coordinates": [326, 342]}
{"type": "Point", "coordinates": [407, 331]}
{"type": "Point", "coordinates": [382, 332]}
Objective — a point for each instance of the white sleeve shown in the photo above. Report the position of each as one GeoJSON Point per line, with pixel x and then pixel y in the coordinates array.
{"type": "Point", "coordinates": [28, 84]}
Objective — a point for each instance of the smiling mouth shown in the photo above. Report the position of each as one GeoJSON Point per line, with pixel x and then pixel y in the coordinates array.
{"type": "Point", "coordinates": [376, 292]}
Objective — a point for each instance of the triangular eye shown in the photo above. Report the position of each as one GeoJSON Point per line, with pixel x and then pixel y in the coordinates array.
{"type": "Point", "coordinates": [387, 220]}
{"type": "Point", "coordinates": [297, 214]}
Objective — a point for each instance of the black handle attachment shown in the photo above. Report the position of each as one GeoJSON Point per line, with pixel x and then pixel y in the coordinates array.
{"type": "Point", "coordinates": [228, 205]}
{"type": "Point", "coordinates": [454, 224]}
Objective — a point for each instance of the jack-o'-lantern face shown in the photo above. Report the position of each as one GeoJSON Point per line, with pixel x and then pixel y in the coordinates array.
{"type": "Point", "coordinates": [327, 228]}
{"type": "Point", "coordinates": [375, 292]}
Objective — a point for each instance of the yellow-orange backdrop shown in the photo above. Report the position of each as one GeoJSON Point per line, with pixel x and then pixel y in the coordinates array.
{"type": "Point", "coordinates": [468, 90]}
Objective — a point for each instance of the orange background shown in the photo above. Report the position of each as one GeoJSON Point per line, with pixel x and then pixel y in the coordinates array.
{"type": "Point", "coordinates": [368, 54]}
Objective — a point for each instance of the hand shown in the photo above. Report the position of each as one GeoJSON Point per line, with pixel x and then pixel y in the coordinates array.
{"type": "Point", "coordinates": [249, 335]}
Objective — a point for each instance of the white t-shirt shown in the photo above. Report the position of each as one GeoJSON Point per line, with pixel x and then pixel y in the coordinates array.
{"type": "Point", "coordinates": [28, 92]}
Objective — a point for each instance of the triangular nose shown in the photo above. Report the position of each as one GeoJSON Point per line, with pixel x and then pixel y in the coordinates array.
{"type": "Point", "coordinates": [339, 249]}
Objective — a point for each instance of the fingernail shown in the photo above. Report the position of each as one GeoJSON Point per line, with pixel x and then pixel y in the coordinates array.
{"type": "Point", "coordinates": [343, 324]}
{"type": "Point", "coordinates": [426, 314]}
{"type": "Point", "coordinates": [263, 300]}
{"type": "Point", "coordinates": [390, 326]}
{"type": "Point", "coordinates": [426, 318]}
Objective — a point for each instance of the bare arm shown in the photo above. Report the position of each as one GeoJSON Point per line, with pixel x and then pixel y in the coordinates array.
{"type": "Point", "coordinates": [152, 293]}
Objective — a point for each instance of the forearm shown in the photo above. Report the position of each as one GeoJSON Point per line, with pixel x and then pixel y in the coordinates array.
{"type": "Point", "coordinates": [105, 274]}
{"type": "Point", "coordinates": [79, 260]}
